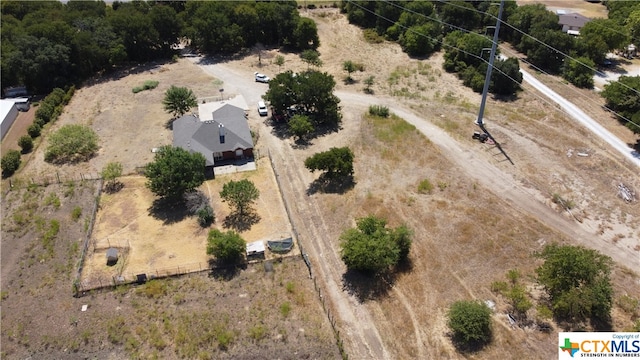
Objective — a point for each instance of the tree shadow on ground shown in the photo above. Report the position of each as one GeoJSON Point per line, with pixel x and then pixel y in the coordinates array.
{"type": "Point", "coordinates": [468, 347]}
{"type": "Point", "coordinates": [241, 222]}
{"type": "Point", "coordinates": [278, 129]}
{"type": "Point", "coordinates": [130, 68]}
{"type": "Point", "coordinates": [366, 286]}
{"type": "Point", "coordinates": [169, 211]}
{"type": "Point", "coordinates": [506, 98]}
{"type": "Point", "coordinates": [581, 325]}
{"type": "Point", "coordinates": [225, 271]}
{"type": "Point", "coordinates": [329, 185]}
{"type": "Point", "coordinates": [113, 187]}
{"type": "Point", "coordinates": [301, 144]}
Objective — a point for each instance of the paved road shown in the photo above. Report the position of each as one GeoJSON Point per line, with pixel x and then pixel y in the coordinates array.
{"type": "Point", "coordinates": [584, 119]}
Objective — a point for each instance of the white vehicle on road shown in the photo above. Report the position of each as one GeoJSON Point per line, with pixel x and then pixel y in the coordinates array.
{"type": "Point", "coordinates": [262, 108]}
{"type": "Point", "coordinates": [261, 77]}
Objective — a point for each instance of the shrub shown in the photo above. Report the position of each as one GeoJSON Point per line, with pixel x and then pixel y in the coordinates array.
{"type": "Point", "coordinates": [26, 143]}
{"type": "Point", "coordinates": [76, 213]}
{"type": "Point", "coordinates": [372, 37]}
{"type": "Point", "coordinates": [470, 322]}
{"type": "Point", "coordinates": [45, 111]}
{"type": "Point", "coordinates": [10, 162]}
{"type": "Point", "coordinates": [425, 187]}
{"type": "Point", "coordinates": [39, 121]}
{"type": "Point", "coordinates": [285, 308]}
{"type": "Point", "coordinates": [67, 97]}
{"type": "Point", "coordinates": [258, 332]}
{"type": "Point", "coordinates": [379, 110]}
{"type": "Point", "coordinates": [228, 247]}
{"type": "Point", "coordinates": [205, 216]}
{"type": "Point", "coordinates": [148, 85]}
{"type": "Point", "coordinates": [34, 130]}
{"type": "Point", "coordinates": [154, 289]}
{"type": "Point", "coordinates": [71, 143]}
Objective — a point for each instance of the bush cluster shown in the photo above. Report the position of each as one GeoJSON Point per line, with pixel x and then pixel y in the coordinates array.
{"type": "Point", "coordinates": [148, 85]}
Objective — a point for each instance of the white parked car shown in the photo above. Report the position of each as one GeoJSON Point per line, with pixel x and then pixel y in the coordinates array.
{"type": "Point", "coordinates": [262, 108]}
{"type": "Point", "coordinates": [261, 77]}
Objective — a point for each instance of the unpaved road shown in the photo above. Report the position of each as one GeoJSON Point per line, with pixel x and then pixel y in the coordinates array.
{"type": "Point", "coordinates": [362, 338]}
{"type": "Point", "coordinates": [584, 119]}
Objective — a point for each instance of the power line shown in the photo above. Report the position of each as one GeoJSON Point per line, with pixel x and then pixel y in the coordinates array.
{"type": "Point", "coordinates": [478, 57]}
{"type": "Point", "coordinates": [531, 37]}
{"type": "Point", "coordinates": [541, 98]}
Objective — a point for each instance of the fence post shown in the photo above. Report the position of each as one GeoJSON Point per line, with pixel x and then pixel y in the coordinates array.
{"type": "Point", "coordinates": [58, 176]}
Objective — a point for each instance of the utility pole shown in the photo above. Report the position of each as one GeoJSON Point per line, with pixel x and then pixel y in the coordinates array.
{"type": "Point", "coordinates": [487, 78]}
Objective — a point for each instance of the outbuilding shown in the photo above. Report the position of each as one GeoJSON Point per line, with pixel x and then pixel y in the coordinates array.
{"type": "Point", "coordinates": [8, 114]}
{"type": "Point", "coordinates": [255, 249]}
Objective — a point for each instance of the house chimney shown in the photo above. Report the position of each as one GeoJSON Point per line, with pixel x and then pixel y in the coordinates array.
{"type": "Point", "coordinates": [221, 132]}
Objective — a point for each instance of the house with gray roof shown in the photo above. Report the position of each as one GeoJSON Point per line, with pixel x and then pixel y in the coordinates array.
{"type": "Point", "coordinates": [223, 139]}
{"type": "Point", "coordinates": [572, 23]}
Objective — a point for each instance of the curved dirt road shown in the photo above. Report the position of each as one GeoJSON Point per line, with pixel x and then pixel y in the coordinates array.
{"type": "Point", "coordinates": [362, 338]}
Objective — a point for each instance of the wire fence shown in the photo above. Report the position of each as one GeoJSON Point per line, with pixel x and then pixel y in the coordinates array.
{"type": "Point", "coordinates": [46, 180]}
{"type": "Point", "coordinates": [305, 257]}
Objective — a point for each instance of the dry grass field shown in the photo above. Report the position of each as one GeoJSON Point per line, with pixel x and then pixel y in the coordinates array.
{"type": "Point", "coordinates": [473, 224]}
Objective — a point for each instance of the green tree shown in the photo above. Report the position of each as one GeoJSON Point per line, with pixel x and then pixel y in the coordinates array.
{"type": "Point", "coordinates": [611, 33]}
{"type": "Point", "coordinates": [421, 40]}
{"type": "Point", "coordinates": [311, 57]}
{"type": "Point", "coordinates": [506, 77]}
{"type": "Point", "coordinates": [111, 172]}
{"type": "Point", "coordinates": [10, 163]}
{"type": "Point", "coordinates": [369, 81]}
{"type": "Point", "coordinates": [71, 143]}
{"type": "Point", "coordinates": [577, 281]}
{"type": "Point", "coordinates": [546, 47]}
{"type": "Point", "coordinates": [300, 126]}
{"type": "Point", "coordinates": [240, 195]}
{"type": "Point", "coordinates": [310, 91]}
{"type": "Point", "coordinates": [26, 143]}
{"type": "Point", "coordinates": [34, 130]}
{"type": "Point", "coordinates": [335, 162]}
{"type": "Point", "coordinates": [372, 247]}
{"type": "Point", "coordinates": [178, 100]}
{"type": "Point", "coordinates": [470, 322]}
{"type": "Point", "coordinates": [525, 19]}
{"type": "Point", "coordinates": [306, 34]}
{"type": "Point", "coordinates": [633, 23]}
{"type": "Point", "coordinates": [349, 66]}
{"type": "Point", "coordinates": [228, 247]}
{"type": "Point", "coordinates": [579, 72]}
{"type": "Point", "coordinates": [623, 97]}
{"type": "Point", "coordinates": [279, 60]}
{"type": "Point", "coordinates": [174, 172]}
{"type": "Point", "coordinates": [461, 14]}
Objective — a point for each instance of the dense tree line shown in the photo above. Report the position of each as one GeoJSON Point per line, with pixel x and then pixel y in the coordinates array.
{"type": "Point", "coordinates": [421, 27]}
{"type": "Point", "coordinates": [48, 44]}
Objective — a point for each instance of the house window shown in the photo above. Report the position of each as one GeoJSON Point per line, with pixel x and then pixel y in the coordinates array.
{"type": "Point", "coordinates": [217, 156]}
